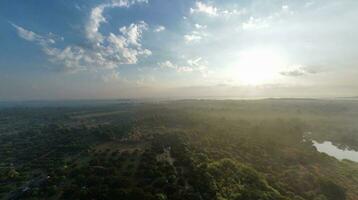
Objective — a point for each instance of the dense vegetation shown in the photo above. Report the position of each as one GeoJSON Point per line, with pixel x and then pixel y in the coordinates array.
{"type": "Point", "coordinates": [233, 150]}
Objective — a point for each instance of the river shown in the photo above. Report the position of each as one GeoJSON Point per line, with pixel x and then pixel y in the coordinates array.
{"type": "Point", "coordinates": [330, 149]}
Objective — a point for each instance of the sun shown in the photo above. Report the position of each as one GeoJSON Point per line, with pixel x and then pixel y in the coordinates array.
{"type": "Point", "coordinates": [258, 66]}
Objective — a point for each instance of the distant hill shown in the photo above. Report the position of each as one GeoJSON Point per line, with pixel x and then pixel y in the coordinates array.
{"type": "Point", "coordinates": [352, 97]}
{"type": "Point", "coordinates": [295, 99]}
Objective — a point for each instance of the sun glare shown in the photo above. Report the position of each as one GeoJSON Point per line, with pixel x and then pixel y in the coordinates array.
{"type": "Point", "coordinates": [258, 66]}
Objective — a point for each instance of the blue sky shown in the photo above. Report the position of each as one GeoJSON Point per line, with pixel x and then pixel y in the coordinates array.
{"type": "Point", "coordinates": [77, 49]}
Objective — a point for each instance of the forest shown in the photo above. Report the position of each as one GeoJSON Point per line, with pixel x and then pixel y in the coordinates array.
{"type": "Point", "coordinates": [184, 149]}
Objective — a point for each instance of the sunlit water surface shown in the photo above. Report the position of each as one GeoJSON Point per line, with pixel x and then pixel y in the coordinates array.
{"type": "Point", "coordinates": [330, 149]}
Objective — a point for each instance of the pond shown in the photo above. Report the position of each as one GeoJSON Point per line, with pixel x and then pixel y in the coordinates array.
{"type": "Point", "coordinates": [330, 149]}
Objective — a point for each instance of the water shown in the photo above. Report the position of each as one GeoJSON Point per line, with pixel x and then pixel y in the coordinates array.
{"type": "Point", "coordinates": [330, 149]}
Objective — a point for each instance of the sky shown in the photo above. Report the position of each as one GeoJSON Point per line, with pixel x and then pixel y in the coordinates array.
{"type": "Point", "coordinates": [92, 49]}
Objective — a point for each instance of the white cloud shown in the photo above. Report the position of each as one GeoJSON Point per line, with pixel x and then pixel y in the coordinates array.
{"type": "Point", "coordinates": [96, 17]}
{"type": "Point", "coordinates": [107, 51]}
{"type": "Point", "coordinates": [285, 7]}
{"type": "Point", "coordinates": [26, 34]}
{"type": "Point", "coordinates": [199, 64]}
{"type": "Point", "coordinates": [185, 69]}
{"type": "Point", "coordinates": [298, 70]}
{"type": "Point", "coordinates": [192, 65]}
{"type": "Point", "coordinates": [194, 62]}
{"type": "Point", "coordinates": [133, 33]}
{"type": "Point", "coordinates": [159, 29]}
{"type": "Point", "coordinates": [195, 36]}
{"type": "Point", "coordinates": [33, 37]}
{"type": "Point", "coordinates": [233, 12]}
{"type": "Point", "coordinates": [192, 38]}
{"type": "Point", "coordinates": [179, 68]}
{"type": "Point", "coordinates": [198, 26]}
{"type": "Point", "coordinates": [201, 7]}
{"type": "Point", "coordinates": [93, 24]}
{"type": "Point", "coordinates": [255, 23]}
{"type": "Point", "coordinates": [167, 64]}
{"type": "Point", "coordinates": [212, 10]}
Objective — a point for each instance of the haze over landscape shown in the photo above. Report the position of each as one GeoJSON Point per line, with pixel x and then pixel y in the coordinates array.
{"type": "Point", "coordinates": [178, 100]}
{"type": "Point", "coordinates": [177, 49]}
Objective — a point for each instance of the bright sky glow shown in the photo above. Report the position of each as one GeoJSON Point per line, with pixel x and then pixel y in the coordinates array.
{"type": "Point", "coordinates": [266, 61]}
{"type": "Point", "coordinates": [98, 49]}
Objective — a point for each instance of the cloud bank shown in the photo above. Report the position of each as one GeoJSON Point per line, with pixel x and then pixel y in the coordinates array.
{"type": "Point", "coordinates": [105, 51]}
